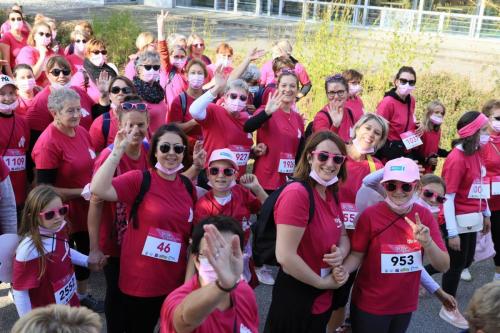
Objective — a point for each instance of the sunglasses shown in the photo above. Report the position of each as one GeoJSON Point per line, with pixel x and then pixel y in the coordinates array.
{"type": "Point", "coordinates": [50, 214]}
{"type": "Point", "coordinates": [57, 72]}
{"type": "Point", "coordinates": [429, 195]}
{"type": "Point", "coordinates": [103, 52]}
{"type": "Point", "coordinates": [154, 67]}
{"type": "Point", "coordinates": [323, 156]}
{"type": "Point", "coordinates": [14, 19]}
{"type": "Point", "coordinates": [166, 148]}
{"type": "Point", "coordinates": [243, 98]}
{"type": "Point", "coordinates": [214, 171]}
{"type": "Point", "coordinates": [127, 106]}
{"type": "Point", "coordinates": [81, 41]}
{"type": "Point", "coordinates": [392, 186]}
{"type": "Point", "coordinates": [116, 90]}
{"type": "Point", "coordinates": [405, 81]}
{"type": "Point", "coordinates": [44, 34]}
{"type": "Point", "coordinates": [497, 118]}
{"type": "Point", "coordinates": [199, 45]}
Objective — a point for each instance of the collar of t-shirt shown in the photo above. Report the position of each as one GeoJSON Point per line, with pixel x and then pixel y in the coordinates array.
{"type": "Point", "coordinates": [394, 95]}
{"type": "Point", "coordinates": [223, 200]}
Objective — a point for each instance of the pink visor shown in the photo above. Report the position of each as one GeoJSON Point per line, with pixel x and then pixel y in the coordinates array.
{"type": "Point", "coordinates": [473, 127]}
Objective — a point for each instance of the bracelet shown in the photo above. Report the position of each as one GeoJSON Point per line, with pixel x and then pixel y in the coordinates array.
{"type": "Point", "coordinates": [227, 290]}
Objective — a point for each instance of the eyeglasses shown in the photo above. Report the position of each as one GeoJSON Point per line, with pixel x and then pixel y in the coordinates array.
{"type": "Point", "coordinates": [228, 172]}
{"type": "Point", "coordinates": [177, 147]}
{"type": "Point", "coordinates": [430, 194]}
{"type": "Point", "coordinates": [392, 186]}
{"type": "Point", "coordinates": [243, 98]}
{"type": "Point", "coordinates": [116, 90]}
{"type": "Point", "coordinates": [199, 45]}
{"type": "Point", "coordinates": [127, 106]}
{"type": "Point", "coordinates": [72, 112]}
{"type": "Point", "coordinates": [339, 93]}
{"type": "Point", "coordinates": [148, 67]}
{"type": "Point", "coordinates": [81, 41]}
{"type": "Point", "coordinates": [18, 19]}
{"type": "Point", "coordinates": [405, 81]}
{"type": "Point", "coordinates": [497, 118]}
{"type": "Point", "coordinates": [57, 72]}
{"type": "Point", "coordinates": [323, 156]}
{"type": "Point", "coordinates": [103, 52]}
{"type": "Point", "coordinates": [44, 34]}
{"type": "Point", "coordinates": [50, 214]}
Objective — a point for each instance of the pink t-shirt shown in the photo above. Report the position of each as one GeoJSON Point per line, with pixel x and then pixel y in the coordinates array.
{"type": "Point", "coordinates": [97, 135]}
{"type": "Point", "coordinates": [15, 45]}
{"type": "Point", "coordinates": [157, 113]}
{"type": "Point", "coordinates": [267, 74]}
{"type": "Point", "coordinates": [24, 104]}
{"type": "Point", "coordinates": [29, 55]}
{"type": "Point", "coordinates": [491, 160]}
{"type": "Point", "coordinates": [355, 104]}
{"type": "Point", "coordinates": [243, 314]}
{"type": "Point", "coordinates": [76, 62]}
{"type": "Point", "coordinates": [174, 86]}
{"type": "Point", "coordinates": [90, 87]}
{"type": "Point", "coordinates": [397, 115]}
{"type": "Point", "coordinates": [346, 127]}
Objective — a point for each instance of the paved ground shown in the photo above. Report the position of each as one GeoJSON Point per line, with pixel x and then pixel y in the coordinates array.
{"type": "Point", "coordinates": [425, 320]}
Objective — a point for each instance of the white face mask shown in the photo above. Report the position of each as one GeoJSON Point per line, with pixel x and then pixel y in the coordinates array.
{"type": "Point", "coordinates": [56, 85]}
{"type": "Point", "coordinates": [16, 25]}
{"type": "Point", "coordinates": [80, 47]}
{"type": "Point", "coordinates": [355, 89]}
{"type": "Point", "coordinates": [206, 271]}
{"type": "Point", "coordinates": [360, 149]}
{"type": "Point", "coordinates": [179, 63]}
{"type": "Point", "coordinates": [253, 89]}
{"type": "Point", "coordinates": [495, 125]}
{"type": "Point", "coordinates": [224, 61]}
{"type": "Point", "coordinates": [404, 208]}
{"type": "Point", "coordinates": [196, 80]}
{"type": "Point", "coordinates": [483, 139]}
{"type": "Point", "coordinates": [235, 105]}
{"type": "Point", "coordinates": [436, 120]}
{"type": "Point", "coordinates": [8, 108]}
{"type": "Point", "coordinates": [433, 209]}
{"type": "Point", "coordinates": [151, 75]}
{"type": "Point", "coordinates": [45, 41]}
{"type": "Point", "coordinates": [405, 89]}
{"type": "Point", "coordinates": [168, 171]}
{"type": "Point", "coordinates": [26, 84]}
{"type": "Point", "coordinates": [97, 59]}
{"type": "Point", "coordinates": [314, 175]}
{"type": "Point", "coordinates": [46, 231]}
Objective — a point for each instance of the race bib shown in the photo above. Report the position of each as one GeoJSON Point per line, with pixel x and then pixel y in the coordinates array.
{"type": "Point", "coordinates": [400, 258]}
{"type": "Point", "coordinates": [287, 163]}
{"type": "Point", "coordinates": [162, 244]}
{"type": "Point", "coordinates": [242, 154]}
{"type": "Point", "coordinates": [350, 212]}
{"type": "Point", "coordinates": [64, 289]}
{"type": "Point", "coordinates": [480, 190]}
{"type": "Point", "coordinates": [410, 140]}
{"type": "Point", "coordinates": [15, 159]}
{"type": "Point", "coordinates": [495, 185]}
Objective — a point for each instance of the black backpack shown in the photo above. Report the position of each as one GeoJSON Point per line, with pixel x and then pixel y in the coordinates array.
{"type": "Point", "coordinates": [183, 97]}
{"type": "Point", "coordinates": [145, 184]}
{"type": "Point", "coordinates": [106, 122]}
{"type": "Point", "coordinates": [257, 99]}
{"type": "Point", "coordinates": [264, 230]}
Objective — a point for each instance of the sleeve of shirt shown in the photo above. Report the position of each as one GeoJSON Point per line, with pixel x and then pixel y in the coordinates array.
{"type": "Point", "coordinates": [453, 173]}
{"type": "Point", "coordinates": [46, 156]}
{"type": "Point", "coordinates": [23, 301]}
{"type": "Point", "coordinates": [199, 110]}
{"type": "Point", "coordinates": [78, 80]}
{"type": "Point", "coordinates": [96, 136]}
{"type": "Point", "coordinates": [428, 282]}
{"type": "Point", "coordinates": [362, 234]}
{"type": "Point", "coordinates": [26, 56]}
{"type": "Point", "coordinates": [302, 74]}
{"type": "Point", "coordinates": [25, 274]}
{"type": "Point", "coordinates": [170, 305]}
{"type": "Point", "coordinates": [175, 112]}
{"type": "Point", "coordinates": [200, 210]}
{"type": "Point", "coordinates": [130, 70]}
{"type": "Point", "coordinates": [35, 115]}
{"type": "Point", "coordinates": [292, 206]}
{"type": "Point", "coordinates": [78, 258]}
{"type": "Point", "coordinates": [384, 109]}
{"type": "Point", "coordinates": [8, 213]}
{"type": "Point", "coordinates": [253, 203]}
{"type": "Point", "coordinates": [320, 122]}
{"type": "Point", "coordinates": [127, 186]}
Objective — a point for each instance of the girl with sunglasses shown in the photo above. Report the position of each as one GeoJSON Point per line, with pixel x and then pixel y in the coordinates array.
{"type": "Point", "coordinates": [387, 246]}
{"type": "Point", "coordinates": [398, 108]}
{"type": "Point", "coordinates": [37, 51]}
{"type": "Point", "coordinates": [43, 267]}
{"type": "Point", "coordinates": [154, 248]}
{"type": "Point", "coordinates": [490, 153]}
{"type": "Point", "coordinates": [16, 36]}
{"type": "Point", "coordinates": [104, 127]}
{"type": "Point", "coordinates": [227, 198]}
{"type": "Point", "coordinates": [196, 47]}
{"type": "Point", "coordinates": [466, 209]}
{"type": "Point", "coordinates": [335, 116]}
{"type": "Point", "coordinates": [94, 64]}
{"type": "Point", "coordinates": [308, 250]}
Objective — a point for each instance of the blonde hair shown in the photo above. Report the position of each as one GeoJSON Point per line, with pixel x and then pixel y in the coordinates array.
{"type": "Point", "coordinates": [144, 39]}
{"type": "Point", "coordinates": [484, 309]}
{"type": "Point", "coordinates": [191, 39]}
{"type": "Point", "coordinates": [57, 318]}
{"type": "Point", "coordinates": [381, 121]}
{"type": "Point", "coordinates": [34, 31]}
{"type": "Point", "coordinates": [93, 45]}
{"type": "Point", "coordinates": [428, 125]}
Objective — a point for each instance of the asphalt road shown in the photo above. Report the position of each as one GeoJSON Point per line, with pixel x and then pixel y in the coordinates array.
{"type": "Point", "coordinates": [425, 320]}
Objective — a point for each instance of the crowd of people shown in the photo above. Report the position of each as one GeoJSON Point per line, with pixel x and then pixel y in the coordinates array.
{"type": "Point", "coordinates": [165, 176]}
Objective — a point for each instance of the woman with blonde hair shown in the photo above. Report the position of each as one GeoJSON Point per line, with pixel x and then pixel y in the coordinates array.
{"type": "Point", "coordinates": [196, 46]}
{"type": "Point", "coordinates": [145, 41]}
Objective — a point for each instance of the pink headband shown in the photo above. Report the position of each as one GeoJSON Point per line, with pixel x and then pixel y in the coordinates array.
{"type": "Point", "coordinates": [471, 128]}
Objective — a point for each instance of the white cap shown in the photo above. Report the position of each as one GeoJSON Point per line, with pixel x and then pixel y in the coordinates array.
{"type": "Point", "coordinates": [5, 80]}
{"type": "Point", "coordinates": [223, 155]}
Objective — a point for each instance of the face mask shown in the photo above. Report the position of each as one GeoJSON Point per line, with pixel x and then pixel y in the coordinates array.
{"type": "Point", "coordinates": [320, 181]}
{"type": "Point", "coordinates": [401, 209]}
{"type": "Point", "coordinates": [54, 34]}
{"type": "Point", "coordinates": [97, 59]}
{"type": "Point", "coordinates": [483, 139]}
{"type": "Point", "coordinates": [436, 120]}
{"type": "Point", "coordinates": [26, 84]}
{"type": "Point", "coordinates": [253, 89]}
{"type": "Point", "coordinates": [206, 271]}
{"type": "Point", "coordinates": [43, 40]}
{"type": "Point", "coordinates": [405, 89]}
{"type": "Point", "coordinates": [231, 185]}
{"type": "Point", "coordinates": [80, 47]}
{"type": "Point", "coordinates": [179, 63]}
{"type": "Point", "coordinates": [235, 105]}
{"type": "Point", "coordinates": [355, 89]}
{"type": "Point", "coordinates": [360, 149]}
{"type": "Point", "coordinates": [8, 108]}
{"type": "Point", "coordinates": [45, 231]}
{"type": "Point", "coordinates": [16, 25]}
{"type": "Point", "coordinates": [151, 75]}
{"type": "Point", "coordinates": [196, 80]}
{"type": "Point", "coordinates": [224, 61]}
{"type": "Point", "coordinates": [168, 171]}
{"type": "Point", "coordinates": [56, 85]}
{"type": "Point", "coordinates": [495, 125]}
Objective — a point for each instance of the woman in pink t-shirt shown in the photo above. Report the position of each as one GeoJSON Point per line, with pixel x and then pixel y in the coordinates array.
{"type": "Point", "coordinates": [146, 41]}
{"type": "Point", "coordinates": [196, 46]}
{"type": "Point", "coordinates": [16, 38]}
{"type": "Point", "coordinates": [79, 39]}
{"type": "Point", "coordinates": [27, 89]}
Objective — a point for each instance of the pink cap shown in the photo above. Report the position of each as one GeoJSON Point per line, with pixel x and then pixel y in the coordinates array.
{"type": "Point", "coordinates": [223, 155]}
{"type": "Point", "coordinates": [5, 80]}
{"type": "Point", "coordinates": [402, 169]}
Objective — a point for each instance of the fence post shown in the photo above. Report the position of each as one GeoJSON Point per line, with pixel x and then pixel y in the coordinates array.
{"type": "Point", "coordinates": [365, 11]}
{"type": "Point", "coordinates": [304, 9]}
{"type": "Point", "coordinates": [479, 23]}
{"type": "Point", "coordinates": [280, 9]}
{"type": "Point", "coordinates": [258, 7]}
{"type": "Point", "coordinates": [235, 6]}
{"type": "Point", "coordinates": [441, 23]}
{"type": "Point", "coordinates": [420, 13]}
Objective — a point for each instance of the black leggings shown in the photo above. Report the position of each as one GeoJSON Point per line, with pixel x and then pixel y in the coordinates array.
{"type": "Point", "coordinates": [364, 322]}
{"type": "Point", "coordinates": [80, 242]}
{"type": "Point", "coordinates": [458, 261]}
{"type": "Point", "coordinates": [495, 234]}
{"type": "Point", "coordinates": [113, 303]}
{"type": "Point", "coordinates": [141, 314]}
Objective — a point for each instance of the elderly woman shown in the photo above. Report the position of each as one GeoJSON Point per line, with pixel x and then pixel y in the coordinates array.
{"type": "Point", "coordinates": [94, 64]}
{"type": "Point", "coordinates": [17, 37]}
{"type": "Point", "coordinates": [146, 41]}
{"type": "Point", "coordinates": [64, 157]}
{"type": "Point", "coordinates": [79, 39]}
{"type": "Point", "coordinates": [38, 50]}
{"type": "Point", "coordinates": [196, 46]}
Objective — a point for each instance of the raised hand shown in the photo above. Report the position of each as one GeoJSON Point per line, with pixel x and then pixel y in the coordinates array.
{"type": "Point", "coordinates": [255, 54]}
{"type": "Point", "coordinates": [226, 258]}
{"type": "Point", "coordinates": [103, 82]}
{"type": "Point", "coordinates": [336, 111]}
{"type": "Point", "coordinates": [420, 231]}
{"type": "Point", "coordinates": [335, 257]}
{"type": "Point", "coordinates": [220, 80]}
{"type": "Point", "coordinates": [199, 155]}
{"type": "Point", "coordinates": [274, 102]}
{"type": "Point", "coordinates": [124, 136]}
{"type": "Point", "coordinates": [249, 181]}
{"type": "Point", "coordinates": [161, 18]}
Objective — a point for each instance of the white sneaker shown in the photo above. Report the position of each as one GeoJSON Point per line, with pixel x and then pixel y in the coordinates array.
{"type": "Point", "coordinates": [264, 275]}
{"type": "Point", "coordinates": [466, 275]}
{"type": "Point", "coordinates": [454, 318]}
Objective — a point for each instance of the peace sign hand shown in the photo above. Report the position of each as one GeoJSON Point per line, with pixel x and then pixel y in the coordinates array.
{"type": "Point", "coordinates": [199, 155]}
{"type": "Point", "coordinates": [420, 231]}
{"type": "Point", "coordinates": [124, 136]}
{"type": "Point", "coordinates": [161, 18]}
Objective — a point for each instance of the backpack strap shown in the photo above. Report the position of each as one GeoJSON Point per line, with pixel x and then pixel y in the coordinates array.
{"type": "Point", "coordinates": [106, 122]}
{"type": "Point", "coordinates": [349, 112]}
{"type": "Point", "coordinates": [145, 184]}
{"type": "Point", "coordinates": [311, 199]}
{"type": "Point", "coordinates": [183, 97]}
{"type": "Point", "coordinates": [187, 182]}
{"type": "Point", "coordinates": [171, 74]}
{"type": "Point", "coordinates": [371, 163]}
{"type": "Point", "coordinates": [330, 121]}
